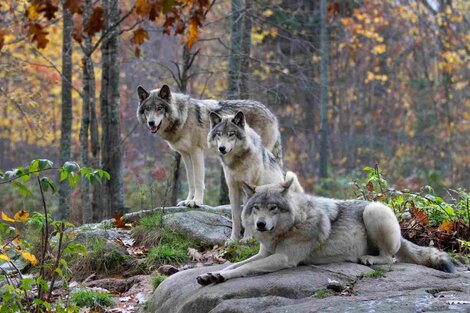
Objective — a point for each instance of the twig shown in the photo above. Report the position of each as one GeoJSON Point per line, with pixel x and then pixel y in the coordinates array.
{"type": "Point", "coordinates": [57, 260]}
{"type": "Point", "coordinates": [32, 172]}
{"type": "Point", "coordinates": [45, 236]}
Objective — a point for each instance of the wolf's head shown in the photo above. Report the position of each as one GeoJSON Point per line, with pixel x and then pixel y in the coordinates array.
{"type": "Point", "coordinates": [268, 209]}
{"type": "Point", "coordinates": [226, 133]}
{"type": "Point", "coordinates": [154, 107]}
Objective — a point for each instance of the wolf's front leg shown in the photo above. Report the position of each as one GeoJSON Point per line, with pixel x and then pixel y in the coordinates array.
{"type": "Point", "coordinates": [234, 193]}
{"type": "Point", "coordinates": [197, 158]}
{"type": "Point", "coordinates": [188, 165]}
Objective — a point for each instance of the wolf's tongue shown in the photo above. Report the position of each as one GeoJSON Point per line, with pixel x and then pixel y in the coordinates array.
{"type": "Point", "coordinates": [154, 129]}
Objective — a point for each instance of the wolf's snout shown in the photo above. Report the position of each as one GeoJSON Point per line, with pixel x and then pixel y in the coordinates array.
{"type": "Point", "coordinates": [261, 226]}
{"type": "Point", "coordinates": [151, 123]}
{"type": "Point", "coordinates": [222, 149]}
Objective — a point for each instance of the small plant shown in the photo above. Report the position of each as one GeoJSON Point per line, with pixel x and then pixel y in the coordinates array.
{"type": "Point", "coordinates": [241, 251]}
{"type": "Point", "coordinates": [157, 280]}
{"type": "Point", "coordinates": [375, 273]}
{"type": "Point", "coordinates": [92, 299]}
{"type": "Point", "coordinates": [34, 294]}
{"type": "Point", "coordinates": [321, 294]}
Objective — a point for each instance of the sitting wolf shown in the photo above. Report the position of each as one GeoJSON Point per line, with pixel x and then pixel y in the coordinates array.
{"type": "Point", "coordinates": [244, 159]}
{"type": "Point", "coordinates": [184, 123]}
{"type": "Point", "coordinates": [295, 228]}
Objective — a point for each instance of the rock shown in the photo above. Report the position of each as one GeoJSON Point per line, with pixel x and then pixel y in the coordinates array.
{"type": "Point", "coordinates": [207, 228]}
{"type": "Point", "coordinates": [406, 288]}
{"type": "Point", "coordinates": [167, 270]}
{"type": "Point", "coordinates": [335, 285]}
{"type": "Point", "coordinates": [83, 235]}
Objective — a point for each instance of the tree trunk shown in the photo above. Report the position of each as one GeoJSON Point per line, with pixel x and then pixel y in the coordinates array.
{"type": "Point", "coordinates": [323, 90]}
{"type": "Point", "coordinates": [111, 197]}
{"type": "Point", "coordinates": [233, 89]}
{"type": "Point", "coordinates": [245, 53]}
{"type": "Point", "coordinates": [66, 127]}
{"type": "Point", "coordinates": [88, 103]}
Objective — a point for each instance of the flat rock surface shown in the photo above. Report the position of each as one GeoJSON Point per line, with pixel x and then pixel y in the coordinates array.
{"type": "Point", "coordinates": [403, 288]}
{"type": "Point", "coordinates": [207, 228]}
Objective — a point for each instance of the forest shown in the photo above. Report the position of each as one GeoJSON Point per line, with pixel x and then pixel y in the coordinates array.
{"type": "Point", "coordinates": [372, 99]}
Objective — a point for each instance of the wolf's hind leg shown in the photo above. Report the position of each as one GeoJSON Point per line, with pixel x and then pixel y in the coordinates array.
{"type": "Point", "coordinates": [384, 231]}
{"type": "Point", "coordinates": [197, 158]}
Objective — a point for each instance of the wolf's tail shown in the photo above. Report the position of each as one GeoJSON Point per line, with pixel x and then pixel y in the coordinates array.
{"type": "Point", "coordinates": [277, 150]}
{"type": "Point", "coordinates": [427, 256]}
{"type": "Point", "coordinates": [295, 186]}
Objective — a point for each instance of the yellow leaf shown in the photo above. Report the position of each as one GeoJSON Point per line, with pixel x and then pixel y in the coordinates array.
{"type": "Point", "coordinates": [30, 258]}
{"type": "Point", "coordinates": [21, 216]}
{"type": "Point", "coordinates": [268, 13]}
{"type": "Point", "coordinates": [193, 33]}
{"type": "Point", "coordinates": [4, 257]}
{"type": "Point", "coordinates": [33, 12]}
{"type": "Point", "coordinates": [379, 49]}
{"type": "Point", "coordinates": [446, 226]}
{"type": "Point", "coordinates": [6, 218]}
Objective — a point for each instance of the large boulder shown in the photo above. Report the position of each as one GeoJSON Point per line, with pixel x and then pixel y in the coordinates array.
{"type": "Point", "coordinates": [403, 288]}
{"type": "Point", "coordinates": [207, 228]}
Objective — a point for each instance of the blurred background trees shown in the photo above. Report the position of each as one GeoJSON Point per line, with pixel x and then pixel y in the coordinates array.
{"type": "Point", "coordinates": [397, 88]}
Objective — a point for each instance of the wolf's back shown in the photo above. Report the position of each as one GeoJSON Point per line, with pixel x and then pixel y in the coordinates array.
{"type": "Point", "coordinates": [427, 256]}
{"type": "Point", "coordinates": [277, 150]}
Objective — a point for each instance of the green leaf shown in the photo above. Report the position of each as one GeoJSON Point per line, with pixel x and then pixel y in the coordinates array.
{"type": "Point", "coordinates": [63, 175]}
{"type": "Point", "coordinates": [44, 163]}
{"type": "Point", "coordinates": [41, 282]}
{"type": "Point", "coordinates": [59, 271]}
{"type": "Point", "coordinates": [23, 190]}
{"type": "Point", "coordinates": [27, 284]}
{"type": "Point", "coordinates": [46, 182]}
{"type": "Point", "coordinates": [75, 248]}
{"type": "Point", "coordinates": [70, 166]}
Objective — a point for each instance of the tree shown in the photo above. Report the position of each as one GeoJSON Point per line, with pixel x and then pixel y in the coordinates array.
{"type": "Point", "coordinates": [111, 196]}
{"type": "Point", "coordinates": [324, 89]}
{"type": "Point", "coordinates": [66, 126]}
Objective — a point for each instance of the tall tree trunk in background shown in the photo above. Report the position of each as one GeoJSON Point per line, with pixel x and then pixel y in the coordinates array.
{"type": "Point", "coordinates": [88, 104]}
{"type": "Point", "coordinates": [233, 90]}
{"type": "Point", "coordinates": [245, 53]}
{"type": "Point", "coordinates": [112, 199]}
{"type": "Point", "coordinates": [323, 90]}
{"type": "Point", "coordinates": [66, 127]}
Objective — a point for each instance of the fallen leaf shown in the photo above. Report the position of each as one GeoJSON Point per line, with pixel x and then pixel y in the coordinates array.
{"type": "Point", "coordinates": [446, 226]}
{"type": "Point", "coordinates": [30, 258]}
{"type": "Point", "coordinates": [21, 216]}
{"type": "Point", "coordinates": [4, 257]}
{"type": "Point", "coordinates": [6, 218]}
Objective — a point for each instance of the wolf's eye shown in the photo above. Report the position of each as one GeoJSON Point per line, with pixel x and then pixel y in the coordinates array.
{"type": "Point", "coordinates": [159, 108]}
{"type": "Point", "coordinates": [273, 208]}
{"type": "Point", "coordinates": [218, 134]}
{"type": "Point", "coordinates": [231, 134]}
{"type": "Point", "coordinates": [255, 207]}
{"type": "Point", "coordinates": [147, 109]}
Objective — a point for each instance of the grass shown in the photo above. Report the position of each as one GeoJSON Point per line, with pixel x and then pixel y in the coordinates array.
{"type": "Point", "coordinates": [321, 294]}
{"type": "Point", "coordinates": [92, 299]}
{"type": "Point", "coordinates": [167, 245]}
{"type": "Point", "coordinates": [376, 273]}
{"type": "Point", "coordinates": [241, 251]}
{"type": "Point", "coordinates": [99, 259]}
{"type": "Point", "coordinates": [157, 280]}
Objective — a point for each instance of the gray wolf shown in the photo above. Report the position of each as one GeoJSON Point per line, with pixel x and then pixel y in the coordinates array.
{"type": "Point", "coordinates": [183, 122]}
{"type": "Point", "coordinates": [244, 160]}
{"type": "Point", "coordinates": [295, 228]}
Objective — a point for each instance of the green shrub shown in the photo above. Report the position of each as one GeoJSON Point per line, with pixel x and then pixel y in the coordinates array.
{"type": "Point", "coordinates": [92, 299]}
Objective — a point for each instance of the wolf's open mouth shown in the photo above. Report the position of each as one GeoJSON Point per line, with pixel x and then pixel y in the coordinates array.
{"type": "Point", "coordinates": [155, 129]}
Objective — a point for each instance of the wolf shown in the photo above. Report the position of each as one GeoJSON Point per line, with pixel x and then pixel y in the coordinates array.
{"type": "Point", "coordinates": [183, 122]}
{"type": "Point", "coordinates": [295, 228]}
{"type": "Point", "coordinates": [244, 159]}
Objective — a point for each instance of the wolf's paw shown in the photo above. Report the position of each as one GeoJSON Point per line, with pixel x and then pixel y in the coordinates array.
{"type": "Point", "coordinates": [209, 278]}
{"type": "Point", "coordinates": [246, 238]}
{"type": "Point", "coordinates": [190, 203]}
{"type": "Point", "coordinates": [371, 260]}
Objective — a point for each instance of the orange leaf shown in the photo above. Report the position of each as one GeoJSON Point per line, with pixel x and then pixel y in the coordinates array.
{"type": "Point", "coordinates": [38, 34]}
{"type": "Point", "coordinates": [446, 226]}
{"type": "Point", "coordinates": [193, 32]}
{"type": "Point", "coordinates": [21, 216]}
{"type": "Point", "coordinates": [6, 218]}
{"type": "Point", "coordinates": [3, 32]}
{"type": "Point", "coordinates": [140, 35]}
{"type": "Point", "coordinates": [119, 221]}
{"type": "Point", "coordinates": [74, 6]}
{"type": "Point", "coordinates": [96, 21]}
{"type": "Point", "coordinates": [142, 7]}
{"type": "Point", "coordinates": [30, 258]}
{"type": "Point", "coordinates": [370, 186]}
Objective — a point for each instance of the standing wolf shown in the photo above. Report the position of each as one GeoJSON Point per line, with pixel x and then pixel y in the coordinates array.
{"type": "Point", "coordinates": [295, 228]}
{"type": "Point", "coordinates": [184, 123]}
{"type": "Point", "coordinates": [244, 159]}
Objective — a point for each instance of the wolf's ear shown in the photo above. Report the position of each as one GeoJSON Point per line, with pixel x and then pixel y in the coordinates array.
{"type": "Point", "coordinates": [285, 185]}
{"type": "Point", "coordinates": [164, 92]}
{"type": "Point", "coordinates": [215, 118]}
{"type": "Point", "coordinates": [239, 119]}
{"type": "Point", "coordinates": [143, 94]}
{"type": "Point", "coordinates": [248, 189]}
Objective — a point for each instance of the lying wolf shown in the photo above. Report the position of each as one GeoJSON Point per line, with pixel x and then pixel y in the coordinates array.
{"type": "Point", "coordinates": [244, 159]}
{"type": "Point", "coordinates": [184, 123]}
{"type": "Point", "coordinates": [296, 228]}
